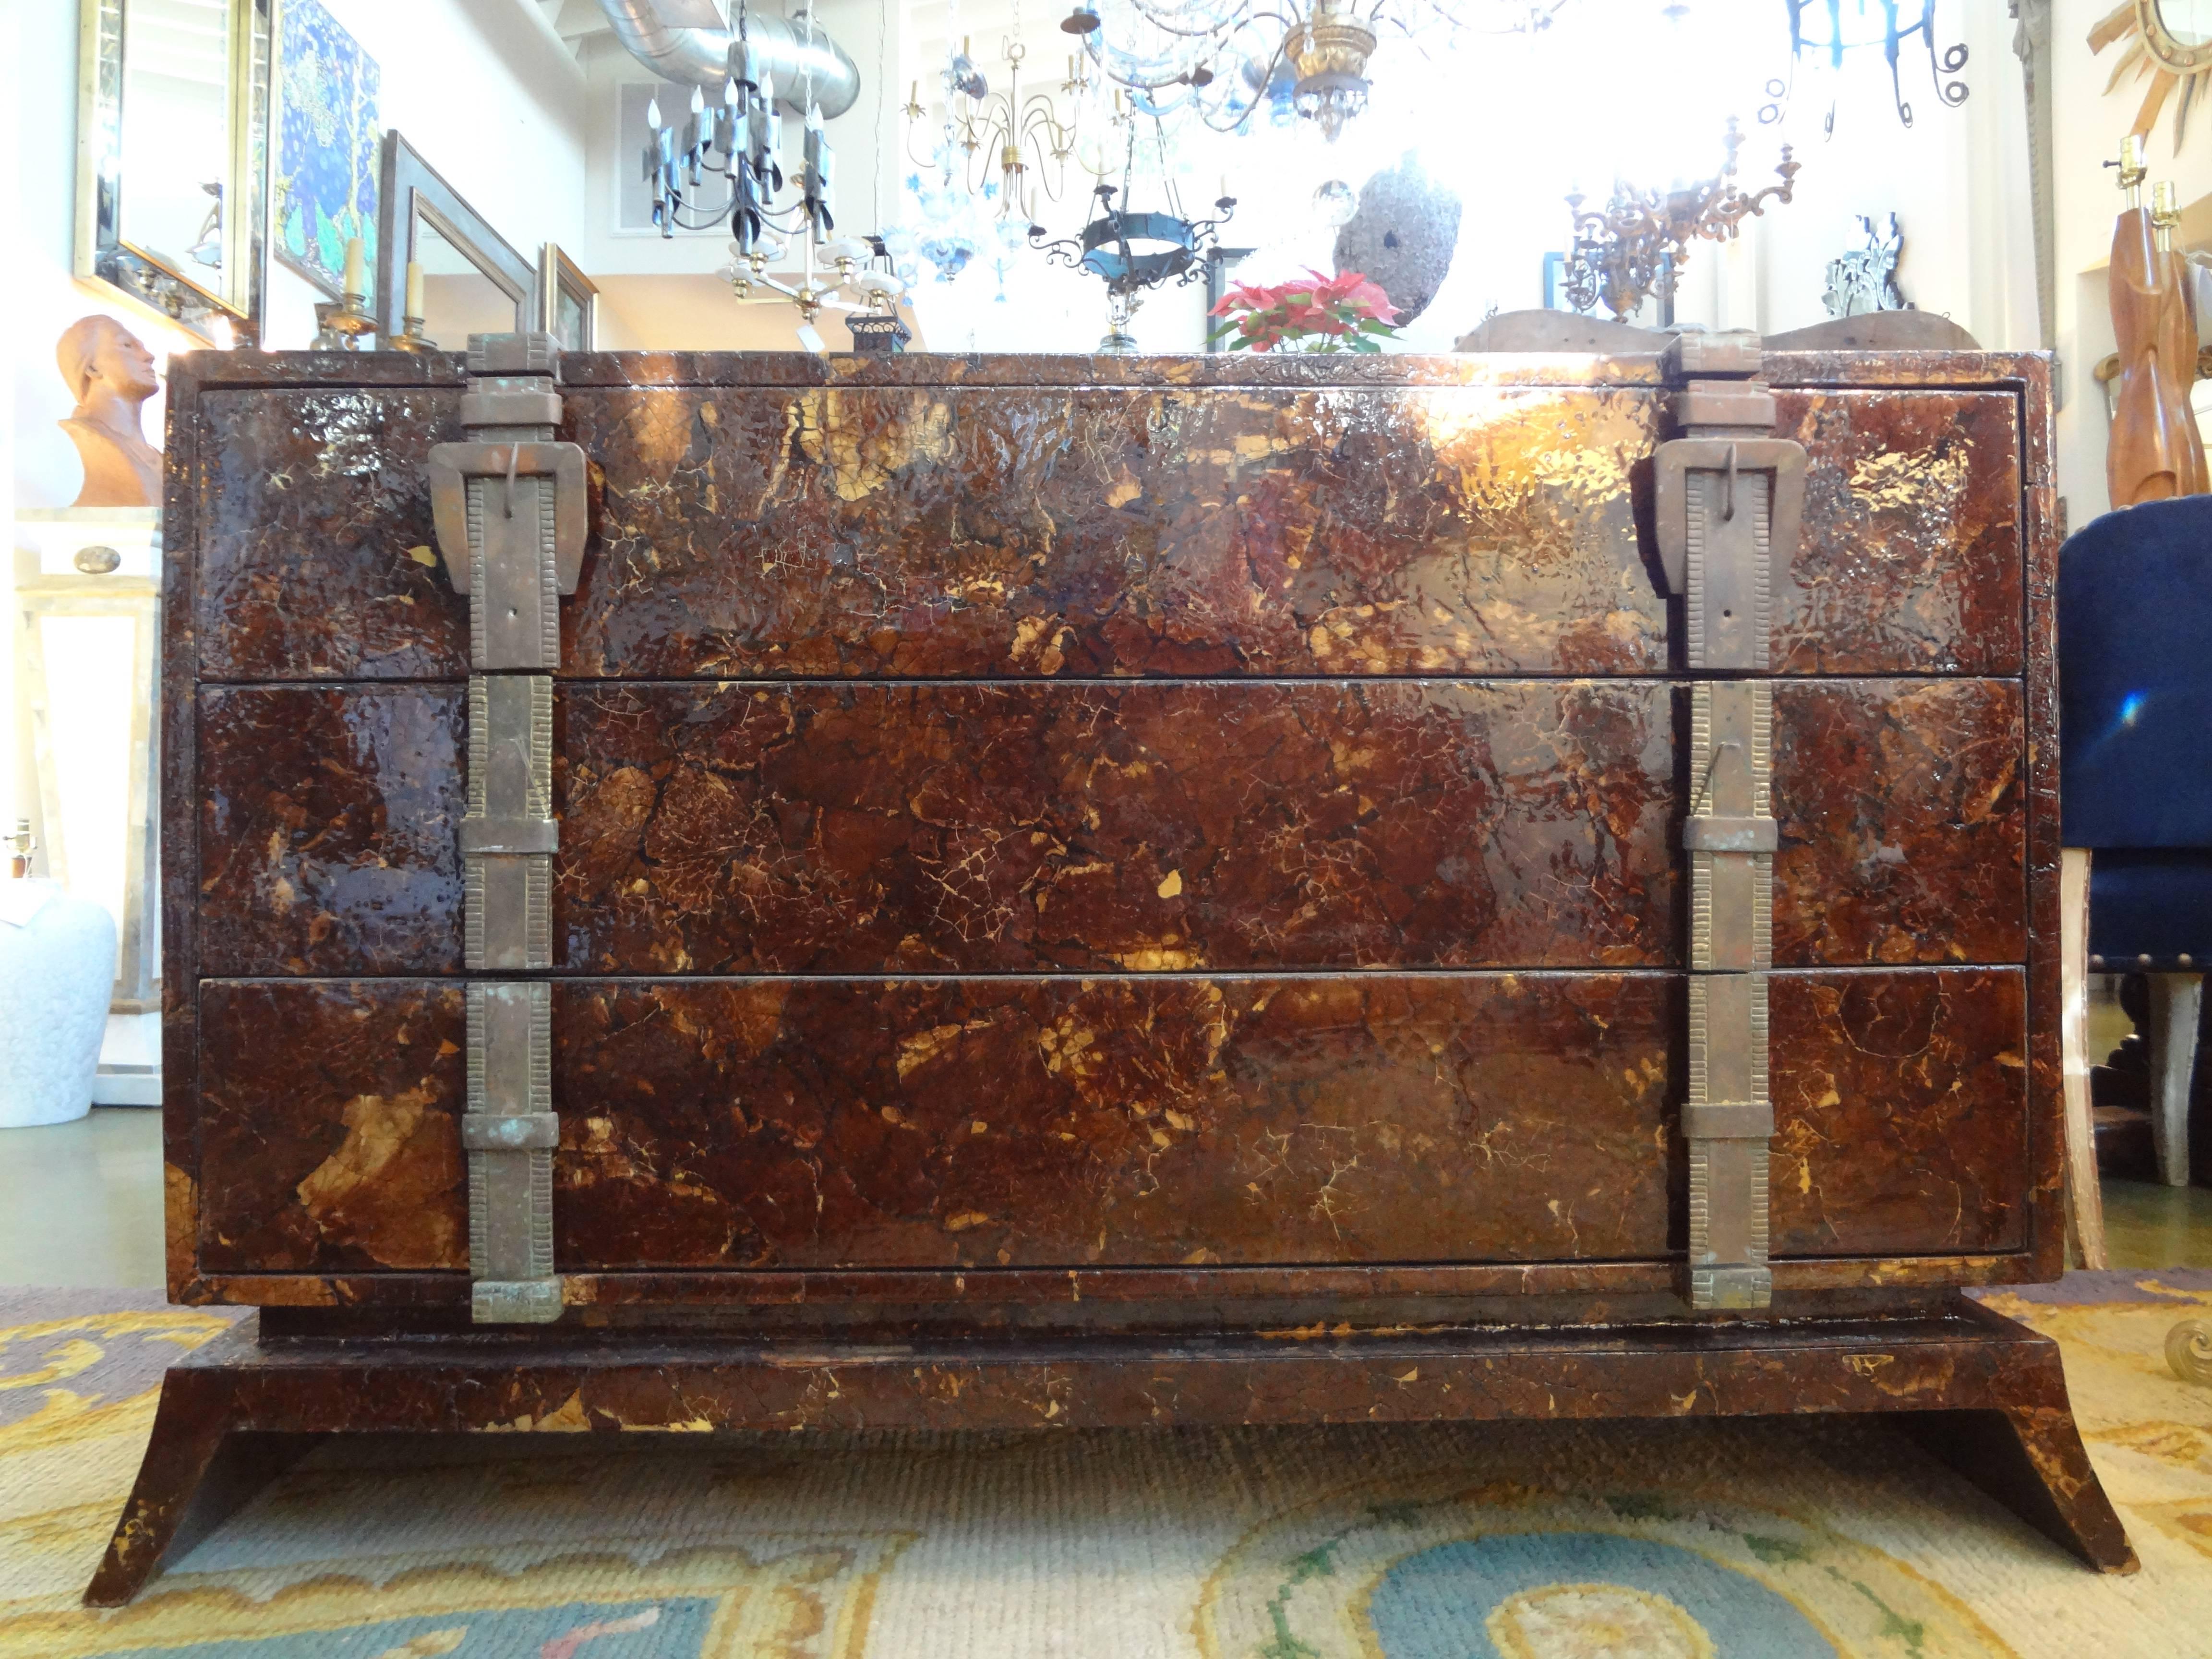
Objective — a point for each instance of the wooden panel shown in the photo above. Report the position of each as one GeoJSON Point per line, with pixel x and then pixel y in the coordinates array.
{"type": "Point", "coordinates": [1910, 561]}
{"type": "Point", "coordinates": [823, 1124]}
{"type": "Point", "coordinates": [860, 828]}
{"type": "Point", "coordinates": [330, 1125]}
{"type": "Point", "coordinates": [863, 828]}
{"type": "Point", "coordinates": [1900, 1111]}
{"type": "Point", "coordinates": [933, 532]}
{"type": "Point", "coordinates": [327, 828]}
{"type": "Point", "coordinates": [315, 555]}
{"type": "Point", "coordinates": [1902, 811]}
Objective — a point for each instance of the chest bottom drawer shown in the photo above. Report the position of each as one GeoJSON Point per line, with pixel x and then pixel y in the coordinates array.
{"type": "Point", "coordinates": [815, 1124]}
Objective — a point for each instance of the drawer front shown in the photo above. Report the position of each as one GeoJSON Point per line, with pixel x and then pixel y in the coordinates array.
{"type": "Point", "coordinates": [1126, 1121]}
{"type": "Point", "coordinates": [1108, 827]}
{"type": "Point", "coordinates": [762, 531]}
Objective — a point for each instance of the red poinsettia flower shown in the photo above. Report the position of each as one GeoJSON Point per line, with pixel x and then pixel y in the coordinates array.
{"type": "Point", "coordinates": [1348, 311]}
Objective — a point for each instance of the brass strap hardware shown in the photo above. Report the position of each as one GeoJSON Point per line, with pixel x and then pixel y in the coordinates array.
{"type": "Point", "coordinates": [1728, 502]}
{"type": "Point", "coordinates": [509, 1132]}
{"type": "Point", "coordinates": [509, 835]}
{"type": "Point", "coordinates": [1719, 559]}
{"type": "Point", "coordinates": [511, 517]}
{"type": "Point", "coordinates": [1729, 1121]}
{"type": "Point", "coordinates": [1731, 833]}
{"type": "Point", "coordinates": [509, 505]}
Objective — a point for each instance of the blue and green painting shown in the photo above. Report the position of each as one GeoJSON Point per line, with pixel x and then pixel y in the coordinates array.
{"type": "Point", "coordinates": [327, 137]}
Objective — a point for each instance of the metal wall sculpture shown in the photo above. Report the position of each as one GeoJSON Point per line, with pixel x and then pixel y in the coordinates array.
{"type": "Point", "coordinates": [1864, 279]}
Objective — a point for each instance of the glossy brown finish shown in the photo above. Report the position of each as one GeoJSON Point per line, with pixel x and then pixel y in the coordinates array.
{"type": "Point", "coordinates": [1900, 1112]}
{"type": "Point", "coordinates": [1105, 827]}
{"type": "Point", "coordinates": [1983, 1380]}
{"type": "Point", "coordinates": [1008, 827]}
{"type": "Point", "coordinates": [938, 533]}
{"type": "Point", "coordinates": [313, 541]}
{"type": "Point", "coordinates": [1912, 553]}
{"type": "Point", "coordinates": [1065, 1123]}
{"type": "Point", "coordinates": [757, 530]}
{"type": "Point", "coordinates": [1902, 822]}
{"type": "Point", "coordinates": [1129, 1121]}
{"type": "Point", "coordinates": [320, 590]}
{"type": "Point", "coordinates": [326, 838]}
{"type": "Point", "coordinates": [328, 1134]}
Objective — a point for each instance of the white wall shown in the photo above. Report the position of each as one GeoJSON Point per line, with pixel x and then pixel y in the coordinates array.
{"type": "Point", "coordinates": [485, 92]}
{"type": "Point", "coordinates": [482, 87]}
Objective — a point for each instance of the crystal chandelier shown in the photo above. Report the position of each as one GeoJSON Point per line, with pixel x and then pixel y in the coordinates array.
{"type": "Point", "coordinates": [1016, 141]}
{"type": "Point", "coordinates": [1225, 58]}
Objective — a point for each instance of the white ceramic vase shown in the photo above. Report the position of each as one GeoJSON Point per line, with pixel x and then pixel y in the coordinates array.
{"type": "Point", "coordinates": [57, 972]}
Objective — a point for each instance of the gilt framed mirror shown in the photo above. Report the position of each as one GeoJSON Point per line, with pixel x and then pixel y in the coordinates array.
{"type": "Point", "coordinates": [2176, 32]}
{"type": "Point", "coordinates": [173, 158]}
{"type": "Point", "coordinates": [473, 281]}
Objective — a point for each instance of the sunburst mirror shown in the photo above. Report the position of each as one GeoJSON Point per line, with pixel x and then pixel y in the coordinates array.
{"type": "Point", "coordinates": [2169, 42]}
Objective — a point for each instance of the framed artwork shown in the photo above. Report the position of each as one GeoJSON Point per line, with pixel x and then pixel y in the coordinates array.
{"type": "Point", "coordinates": [567, 301]}
{"type": "Point", "coordinates": [323, 176]}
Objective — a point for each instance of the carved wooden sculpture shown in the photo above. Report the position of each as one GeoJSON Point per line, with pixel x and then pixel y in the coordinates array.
{"type": "Point", "coordinates": [2153, 453]}
{"type": "Point", "coordinates": [2178, 331]}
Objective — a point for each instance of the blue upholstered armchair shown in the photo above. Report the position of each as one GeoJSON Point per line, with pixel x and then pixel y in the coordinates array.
{"type": "Point", "coordinates": [2134, 686]}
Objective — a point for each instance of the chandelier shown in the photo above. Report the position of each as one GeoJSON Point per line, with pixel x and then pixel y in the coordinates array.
{"type": "Point", "coordinates": [1011, 144]}
{"type": "Point", "coordinates": [1308, 58]}
{"type": "Point", "coordinates": [1822, 29]}
{"type": "Point", "coordinates": [738, 144]}
{"type": "Point", "coordinates": [1135, 251]}
{"type": "Point", "coordinates": [1638, 244]}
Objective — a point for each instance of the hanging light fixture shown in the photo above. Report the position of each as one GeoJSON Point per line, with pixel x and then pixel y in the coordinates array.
{"type": "Point", "coordinates": [1830, 30]}
{"type": "Point", "coordinates": [1135, 251]}
{"type": "Point", "coordinates": [1018, 141]}
{"type": "Point", "coordinates": [1636, 245]}
{"type": "Point", "coordinates": [1225, 58]}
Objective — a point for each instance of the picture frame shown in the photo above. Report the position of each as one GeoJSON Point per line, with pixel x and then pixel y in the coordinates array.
{"type": "Point", "coordinates": [567, 301]}
{"type": "Point", "coordinates": [410, 193]}
{"type": "Point", "coordinates": [324, 165]}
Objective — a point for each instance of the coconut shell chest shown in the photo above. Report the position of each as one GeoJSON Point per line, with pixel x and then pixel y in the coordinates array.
{"type": "Point", "coordinates": [1136, 888]}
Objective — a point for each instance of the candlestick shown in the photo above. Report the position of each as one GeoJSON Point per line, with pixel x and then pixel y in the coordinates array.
{"type": "Point", "coordinates": [356, 267]}
{"type": "Point", "coordinates": [414, 288]}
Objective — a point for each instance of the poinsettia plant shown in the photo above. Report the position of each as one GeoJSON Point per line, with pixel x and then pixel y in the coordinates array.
{"type": "Point", "coordinates": [1348, 311]}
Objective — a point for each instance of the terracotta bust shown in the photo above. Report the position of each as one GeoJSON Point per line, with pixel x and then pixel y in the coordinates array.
{"type": "Point", "coordinates": [112, 375]}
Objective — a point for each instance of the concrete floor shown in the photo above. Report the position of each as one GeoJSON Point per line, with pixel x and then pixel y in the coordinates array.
{"type": "Point", "coordinates": [81, 1204]}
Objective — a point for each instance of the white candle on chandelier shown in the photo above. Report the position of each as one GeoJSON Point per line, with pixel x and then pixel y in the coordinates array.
{"type": "Point", "coordinates": [653, 114]}
{"type": "Point", "coordinates": [730, 92]}
{"type": "Point", "coordinates": [698, 100]}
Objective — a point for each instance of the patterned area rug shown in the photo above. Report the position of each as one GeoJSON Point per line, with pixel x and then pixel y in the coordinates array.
{"type": "Point", "coordinates": [1538, 1542]}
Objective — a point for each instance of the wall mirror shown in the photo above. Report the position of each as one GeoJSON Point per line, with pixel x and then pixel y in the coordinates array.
{"type": "Point", "coordinates": [473, 281]}
{"type": "Point", "coordinates": [567, 301]}
{"type": "Point", "coordinates": [2179, 32]}
{"type": "Point", "coordinates": [172, 145]}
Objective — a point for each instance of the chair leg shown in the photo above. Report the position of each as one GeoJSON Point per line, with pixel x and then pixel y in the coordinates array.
{"type": "Point", "coordinates": [2085, 1204]}
{"type": "Point", "coordinates": [2176, 999]}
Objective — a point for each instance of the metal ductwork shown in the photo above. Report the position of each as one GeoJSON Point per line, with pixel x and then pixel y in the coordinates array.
{"type": "Point", "coordinates": [783, 48]}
